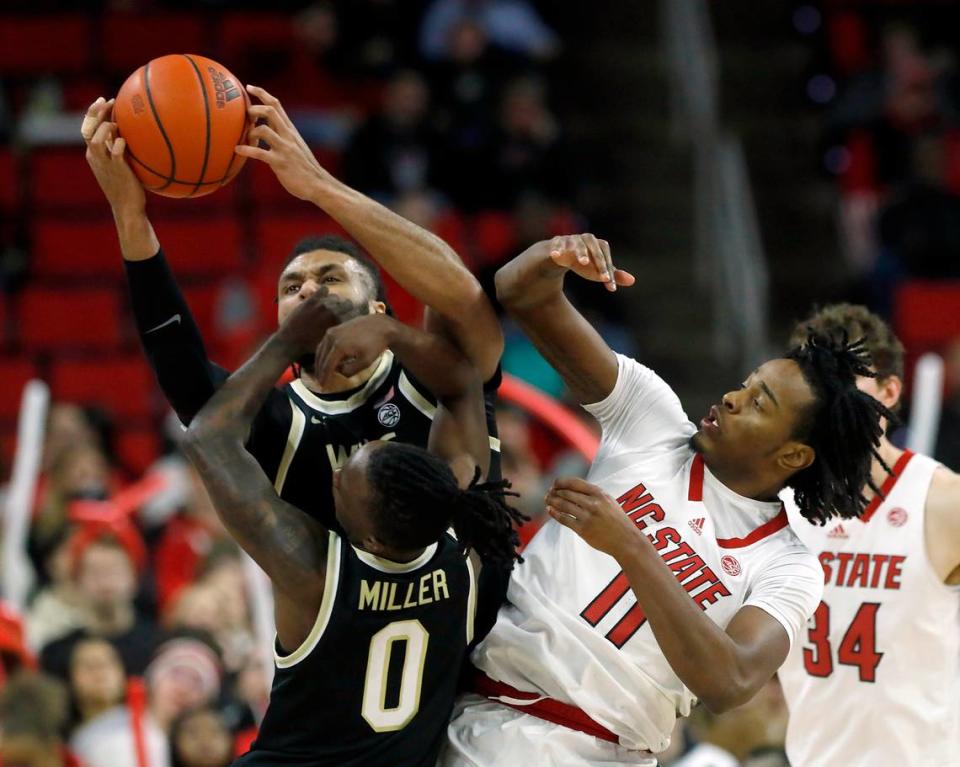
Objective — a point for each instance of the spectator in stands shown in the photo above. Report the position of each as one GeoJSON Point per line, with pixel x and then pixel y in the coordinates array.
{"type": "Point", "coordinates": [187, 539]}
{"type": "Point", "coordinates": [920, 227]}
{"type": "Point", "coordinates": [510, 24]}
{"type": "Point", "coordinates": [106, 565]}
{"type": "Point", "coordinates": [395, 151]}
{"type": "Point", "coordinates": [77, 471]}
{"type": "Point", "coordinates": [217, 605]}
{"type": "Point", "coordinates": [96, 679]}
{"type": "Point", "coordinates": [14, 652]}
{"type": "Point", "coordinates": [33, 712]}
{"type": "Point", "coordinates": [184, 674]}
{"type": "Point", "coordinates": [526, 154]}
{"type": "Point", "coordinates": [201, 738]}
{"type": "Point", "coordinates": [57, 609]}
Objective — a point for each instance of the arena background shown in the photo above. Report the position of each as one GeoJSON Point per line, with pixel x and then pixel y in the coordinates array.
{"type": "Point", "coordinates": [745, 160]}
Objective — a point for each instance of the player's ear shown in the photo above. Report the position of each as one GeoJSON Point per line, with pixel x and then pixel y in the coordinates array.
{"type": "Point", "coordinates": [795, 456]}
{"type": "Point", "coordinates": [377, 307]}
{"type": "Point", "coordinates": [889, 390]}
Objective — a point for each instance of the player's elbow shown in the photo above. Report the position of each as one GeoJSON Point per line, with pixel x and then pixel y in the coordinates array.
{"type": "Point", "coordinates": [726, 692]}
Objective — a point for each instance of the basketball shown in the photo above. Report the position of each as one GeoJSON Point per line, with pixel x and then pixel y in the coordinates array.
{"type": "Point", "coordinates": [181, 116]}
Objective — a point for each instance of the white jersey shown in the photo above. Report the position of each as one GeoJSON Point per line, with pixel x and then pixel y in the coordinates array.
{"type": "Point", "coordinates": [876, 677]}
{"type": "Point", "coordinates": [572, 629]}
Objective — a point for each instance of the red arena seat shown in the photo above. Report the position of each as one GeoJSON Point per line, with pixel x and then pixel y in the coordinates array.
{"type": "Point", "coordinates": [38, 45]}
{"type": "Point", "coordinates": [14, 374]}
{"type": "Point", "coordinates": [69, 319]}
{"type": "Point", "coordinates": [248, 37]}
{"type": "Point", "coordinates": [130, 40]}
{"type": "Point", "coordinates": [9, 181]}
{"type": "Point", "coordinates": [121, 385]}
{"type": "Point", "coordinates": [208, 246]}
{"type": "Point", "coordinates": [61, 178]}
{"type": "Point", "coordinates": [75, 248]}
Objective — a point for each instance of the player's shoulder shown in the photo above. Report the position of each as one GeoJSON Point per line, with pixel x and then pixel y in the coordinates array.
{"type": "Point", "coordinates": [786, 549]}
{"type": "Point", "coordinates": [943, 497]}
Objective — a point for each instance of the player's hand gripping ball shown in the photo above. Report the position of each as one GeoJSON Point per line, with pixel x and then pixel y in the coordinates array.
{"type": "Point", "coordinates": [181, 117]}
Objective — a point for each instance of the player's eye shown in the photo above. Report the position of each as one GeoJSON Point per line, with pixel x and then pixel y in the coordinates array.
{"type": "Point", "coordinates": [756, 403]}
{"type": "Point", "coordinates": [292, 288]}
{"type": "Point", "coordinates": [331, 278]}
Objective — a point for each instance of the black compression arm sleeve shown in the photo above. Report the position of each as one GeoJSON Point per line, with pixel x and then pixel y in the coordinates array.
{"type": "Point", "coordinates": [170, 337]}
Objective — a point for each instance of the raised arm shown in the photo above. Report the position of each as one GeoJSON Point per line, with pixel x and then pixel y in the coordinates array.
{"type": "Point", "coordinates": [459, 430]}
{"type": "Point", "coordinates": [422, 263]}
{"type": "Point", "coordinates": [530, 287]}
{"type": "Point", "coordinates": [284, 541]}
{"type": "Point", "coordinates": [167, 330]}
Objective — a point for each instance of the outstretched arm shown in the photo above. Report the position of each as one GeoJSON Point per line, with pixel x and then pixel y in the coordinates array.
{"type": "Point", "coordinates": [530, 287]}
{"type": "Point", "coordinates": [724, 668]}
{"type": "Point", "coordinates": [167, 330]}
{"type": "Point", "coordinates": [283, 540]}
{"type": "Point", "coordinates": [422, 263]}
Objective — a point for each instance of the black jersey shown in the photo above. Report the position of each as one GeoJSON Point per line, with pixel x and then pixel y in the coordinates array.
{"type": "Point", "coordinates": [325, 431]}
{"type": "Point", "coordinates": [298, 437]}
{"type": "Point", "coordinates": [373, 685]}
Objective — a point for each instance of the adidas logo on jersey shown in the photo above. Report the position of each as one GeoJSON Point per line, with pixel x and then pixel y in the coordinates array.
{"type": "Point", "coordinates": [838, 532]}
{"type": "Point", "coordinates": [697, 525]}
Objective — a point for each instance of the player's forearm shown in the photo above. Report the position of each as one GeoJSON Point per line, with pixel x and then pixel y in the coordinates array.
{"type": "Point", "coordinates": [229, 413]}
{"type": "Point", "coordinates": [530, 280]}
{"type": "Point", "coordinates": [432, 360]}
{"type": "Point", "coordinates": [138, 241]}
{"type": "Point", "coordinates": [422, 263]}
{"type": "Point", "coordinates": [705, 658]}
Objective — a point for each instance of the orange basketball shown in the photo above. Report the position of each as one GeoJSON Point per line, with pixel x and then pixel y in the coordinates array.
{"type": "Point", "coordinates": [181, 116]}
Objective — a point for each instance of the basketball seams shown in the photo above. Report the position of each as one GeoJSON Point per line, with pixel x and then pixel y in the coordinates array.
{"type": "Point", "coordinates": [206, 110]}
{"type": "Point", "coordinates": [166, 139]}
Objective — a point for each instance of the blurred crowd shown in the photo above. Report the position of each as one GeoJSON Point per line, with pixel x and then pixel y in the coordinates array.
{"type": "Point", "coordinates": [888, 80]}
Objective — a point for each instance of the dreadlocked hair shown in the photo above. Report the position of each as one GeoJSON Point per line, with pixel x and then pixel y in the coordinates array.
{"type": "Point", "coordinates": [417, 498]}
{"type": "Point", "coordinates": [843, 426]}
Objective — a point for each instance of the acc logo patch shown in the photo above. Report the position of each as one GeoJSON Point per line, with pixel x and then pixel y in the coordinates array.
{"type": "Point", "coordinates": [389, 415]}
{"type": "Point", "coordinates": [730, 565]}
{"type": "Point", "coordinates": [897, 517]}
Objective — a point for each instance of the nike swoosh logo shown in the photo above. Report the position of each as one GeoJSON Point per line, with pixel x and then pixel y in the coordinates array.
{"type": "Point", "coordinates": [174, 320]}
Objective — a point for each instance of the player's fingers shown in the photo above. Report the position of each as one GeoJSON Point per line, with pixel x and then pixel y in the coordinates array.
{"type": "Point", "coordinates": [99, 140]}
{"type": "Point", "coordinates": [265, 112]}
{"type": "Point", "coordinates": [577, 485]}
{"type": "Point", "coordinates": [608, 267]}
{"type": "Point", "coordinates": [324, 361]}
{"type": "Point", "coordinates": [564, 519]}
{"type": "Point", "coordinates": [623, 278]}
{"type": "Point", "coordinates": [265, 133]}
{"type": "Point", "coordinates": [254, 152]}
{"type": "Point", "coordinates": [119, 145]}
{"type": "Point", "coordinates": [595, 252]}
{"type": "Point", "coordinates": [94, 115]}
{"type": "Point", "coordinates": [350, 365]}
{"type": "Point", "coordinates": [269, 100]}
{"type": "Point", "coordinates": [586, 502]}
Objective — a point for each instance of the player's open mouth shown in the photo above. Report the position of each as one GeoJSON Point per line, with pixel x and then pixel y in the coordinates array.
{"type": "Point", "coordinates": [711, 421]}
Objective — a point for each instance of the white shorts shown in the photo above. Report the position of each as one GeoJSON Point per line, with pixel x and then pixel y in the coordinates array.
{"type": "Point", "coordinates": [483, 733]}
